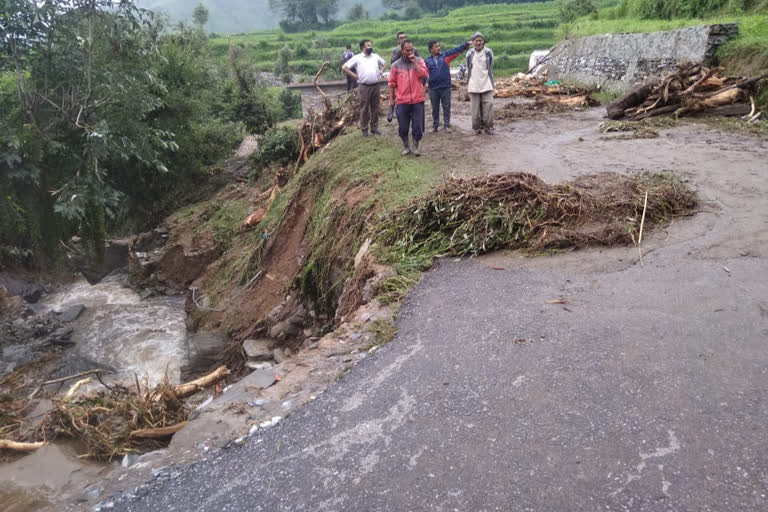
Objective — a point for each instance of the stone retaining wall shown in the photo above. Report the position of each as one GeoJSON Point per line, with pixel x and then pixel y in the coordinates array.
{"type": "Point", "coordinates": [618, 61]}
{"type": "Point", "coordinates": [310, 97]}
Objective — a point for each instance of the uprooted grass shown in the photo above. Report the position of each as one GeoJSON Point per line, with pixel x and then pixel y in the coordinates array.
{"type": "Point", "coordinates": [471, 216]}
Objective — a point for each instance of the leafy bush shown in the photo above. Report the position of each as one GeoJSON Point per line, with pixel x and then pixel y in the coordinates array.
{"type": "Point", "coordinates": [569, 10]}
{"type": "Point", "coordinates": [279, 146]}
{"type": "Point", "coordinates": [291, 102]}
{"type": "Point", "coordinates": [300, 51]}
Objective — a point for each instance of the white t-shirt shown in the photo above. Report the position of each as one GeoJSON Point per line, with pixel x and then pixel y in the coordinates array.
{"type": "Point", "coordinates": [368, 71]}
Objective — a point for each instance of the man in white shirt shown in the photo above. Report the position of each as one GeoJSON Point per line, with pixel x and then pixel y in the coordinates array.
{"type": "Point", "coordinates": [480, 85]}
{"type": "Point", "coordinates": [369, 67]}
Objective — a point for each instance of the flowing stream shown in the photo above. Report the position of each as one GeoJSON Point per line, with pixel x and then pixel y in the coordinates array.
{"type": "Point", "coordinates": [124, 333]}
{"type": "Point", "coordinates": [119, 331]}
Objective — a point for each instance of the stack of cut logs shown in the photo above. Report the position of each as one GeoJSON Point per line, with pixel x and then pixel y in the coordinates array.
{"type": "Point", "coordinates": [692, 89]}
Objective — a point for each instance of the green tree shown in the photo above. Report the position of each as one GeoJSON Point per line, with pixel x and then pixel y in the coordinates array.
{"type": "Point", "coordinates": [357, 12]}
{"type": "Point", "coordinates": [282, 64]}
{"type": "Point", "coordinates": [200, 15]}
{"type": "Point", "coordinates": [305, 14]}
{"type": "Point", "coordinates": [85, 80]}
{"type": "Point", "coordinates": [93, 96]}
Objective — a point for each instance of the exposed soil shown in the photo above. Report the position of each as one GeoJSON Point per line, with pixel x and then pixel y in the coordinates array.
{"type": "Point", "coordinates": [280, 263]}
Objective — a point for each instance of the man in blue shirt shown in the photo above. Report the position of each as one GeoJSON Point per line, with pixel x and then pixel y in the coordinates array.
{"type": "Point", "coordinates": [439, 66]}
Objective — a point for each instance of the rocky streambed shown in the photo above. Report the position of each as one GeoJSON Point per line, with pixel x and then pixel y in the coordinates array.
{"type": "Point", "coordinates": [142, 335]}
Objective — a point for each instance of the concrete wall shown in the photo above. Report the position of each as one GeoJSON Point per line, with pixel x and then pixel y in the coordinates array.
{"type": "Point", "coordinates": [311, 98]}
{"type": "Point", "coordinates": [618, 61]}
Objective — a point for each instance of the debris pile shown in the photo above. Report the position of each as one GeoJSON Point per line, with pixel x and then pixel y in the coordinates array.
{"type": "Point", "coordinates": [471, 216]}
{"type": "Point", "coordinates": [108, 423]}
{"type": "Point", "coordinates": [692, 89]}
{"type": "Point", "coordinates": [544, 92]}
{"type": "Point", "coordinates": [319, 128]}
{"type": "Point", "coordinates": [543, 105]}
{"type": "Point", "coordinates": [530, 86]}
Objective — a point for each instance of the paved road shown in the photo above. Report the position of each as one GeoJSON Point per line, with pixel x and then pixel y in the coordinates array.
{"type": "Point", "coordinates": [645, 391]}
{"type": "Point", "coordinates": [633, 396]}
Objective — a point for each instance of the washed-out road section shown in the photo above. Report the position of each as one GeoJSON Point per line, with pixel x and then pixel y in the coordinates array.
{"type": "Point", "coordinates": [641, 388]}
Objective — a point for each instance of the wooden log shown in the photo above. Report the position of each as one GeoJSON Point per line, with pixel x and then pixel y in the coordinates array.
{"type": "Point", "coordinates": [657, 111]}
{"type": "Point", "coordinates": [192, 387]}
{"type": "Point", "coordinates": [633, 98]}
{"type": "Point", "coordinates": [736, 109]}
{"type": "Point", "coordinates": [62, 379]}
{"type": "Point", "coordinates": [158, 433]}
{"type": "Point", "coordinates": [7, 444]}
{"type": "Point", "coordinates": [76, 386]}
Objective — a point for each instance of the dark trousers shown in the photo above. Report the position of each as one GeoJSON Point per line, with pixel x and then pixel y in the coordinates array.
{"type": "Point", "coordinates": [438, 97]}
{"type": "Point", "coordinates": [412, 115]}
{"type": "Point", "coordinates": [351, 83]}
{"type": "Point", "coordinates": [370, 96]}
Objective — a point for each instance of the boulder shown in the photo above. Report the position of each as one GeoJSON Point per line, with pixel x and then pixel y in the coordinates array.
{"type": "Point", "coordinates": [71, 313]}
{"type": "Point", "coordinates": [258, 349]}
{"type": "Point", "coordinates": [62, 334]}
{"type": "Point", "coordinates": [204, 350]}
{"type": "Point", "coordinates": [29, 291]}
{"type": "Point", "coordinates": [115, 257]}
{"type": "Point", "coordinates": [261, 379]}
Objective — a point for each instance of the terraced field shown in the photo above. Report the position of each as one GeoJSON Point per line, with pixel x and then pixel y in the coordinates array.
{"type": "Point", "coordinates": [512, 31]}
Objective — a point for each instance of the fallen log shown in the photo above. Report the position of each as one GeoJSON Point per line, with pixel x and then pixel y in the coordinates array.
{"type": "Point", "coordinates": [632, 99]}
{"type": "Point", "coordinates": [192, 387]}
{"type": "Point", "coordinates": [736, 109]}
{"type": "Point", "coordinates": [158, 433]}
{"type": "Point", "coordinates": [7, 444]}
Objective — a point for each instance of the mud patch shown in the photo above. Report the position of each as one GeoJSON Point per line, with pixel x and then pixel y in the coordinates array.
{"type": "Point", "coordinates": [540, 108]}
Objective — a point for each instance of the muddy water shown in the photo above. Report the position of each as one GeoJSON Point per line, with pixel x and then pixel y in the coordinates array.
{"type": "Point", "coordinates": [121, 331]}
{"type": "Point", "coordinates": [36, 482]}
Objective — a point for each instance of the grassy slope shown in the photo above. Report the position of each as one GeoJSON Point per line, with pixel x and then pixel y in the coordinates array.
{"type": "Point", "coordinates": [512, 30]}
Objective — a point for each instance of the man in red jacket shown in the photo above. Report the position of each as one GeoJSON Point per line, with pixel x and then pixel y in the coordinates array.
{"type": "Point", "coordinates": [405, 79]}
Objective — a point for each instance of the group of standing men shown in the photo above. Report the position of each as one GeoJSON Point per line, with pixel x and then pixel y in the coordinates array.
{"type": "Point", "coordinates": [407, 77]}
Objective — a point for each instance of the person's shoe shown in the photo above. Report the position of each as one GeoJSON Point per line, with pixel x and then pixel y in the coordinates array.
{"type": "Point", "coordinates": [447, 129]}
{"type": "Point", "coordinates": [406, 147]}
{"type": "Point", "coordinates": [365, 133]}
{"type": "Point", "coordinates": [478, 132]}
{"type": "Point", "coordinates": [490, 131]}
{"type": "Point", "coordinates": [434, 129]}
{"type": "Point", "coordinates": [416, 151]}
{"type": "Point", "coordinates": [375, 132]}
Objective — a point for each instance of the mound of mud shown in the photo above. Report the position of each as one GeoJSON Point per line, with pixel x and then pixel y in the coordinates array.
{"type": "Point", "coordinates": [471, 216]}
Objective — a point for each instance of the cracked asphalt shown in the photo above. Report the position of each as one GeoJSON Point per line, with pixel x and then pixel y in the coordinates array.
{"type": "Point", "coordinates": [643, 390]}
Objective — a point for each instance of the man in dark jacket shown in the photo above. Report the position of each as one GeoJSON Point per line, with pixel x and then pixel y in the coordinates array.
{"type": "Point", "coordinates": [439, 66]}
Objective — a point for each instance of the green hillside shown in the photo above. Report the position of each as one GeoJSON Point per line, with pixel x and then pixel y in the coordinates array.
{"type": "Point", "coordinates": [512, 31]}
